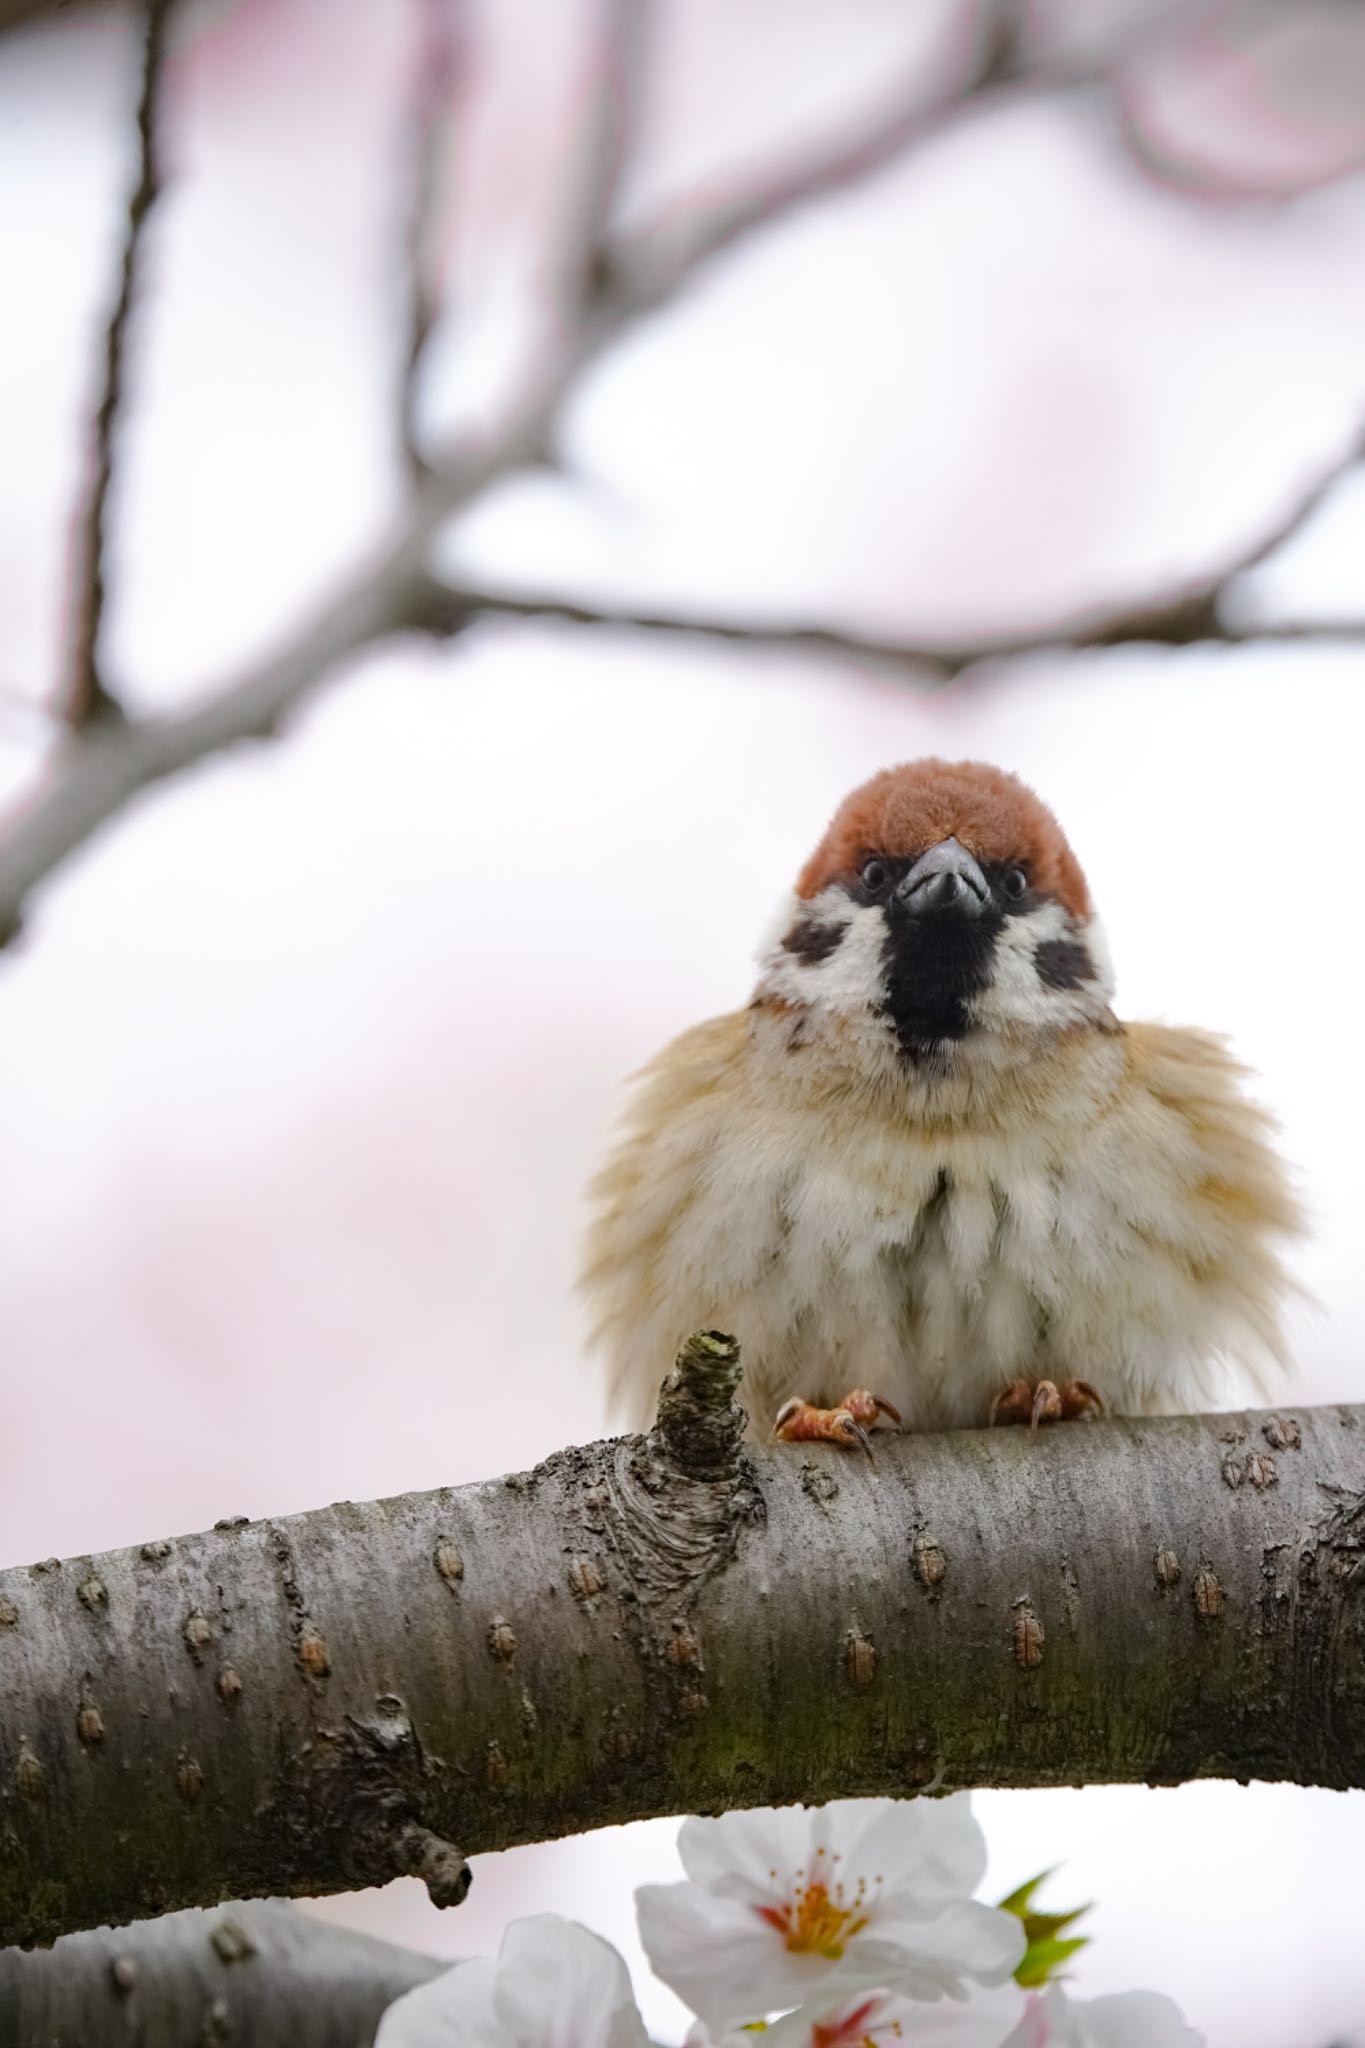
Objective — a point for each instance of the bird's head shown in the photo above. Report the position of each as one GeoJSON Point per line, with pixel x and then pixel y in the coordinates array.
{"type": "Point", "coordinates": [944, 902]}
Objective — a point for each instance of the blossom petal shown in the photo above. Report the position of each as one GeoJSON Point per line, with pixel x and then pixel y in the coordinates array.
{"type": "Point", "coordinates": [561, 1986]}
{"type": "Point", "coordinates": [931, 1959]}
{"type": "Point", "coordinates": [720, 1958]}
{"type": "Point", "coordinates": [1125, 2019]}
{"type": "Point", "coordinates": [747, 1855]}
{"type": "Point", "coordinates": [980, 1943]}
{"type": "Point", "coordinates": [926, 1850]}
{"type": "Point", "coordinates": [1034, 2029]}
{"type": "Point", "coordinates": [984, 2022]}
{"type": "Point", "coordinates": [554, 1985]}
{"type": "Point", "coordinates": [729, 1966]}
{"type": "Point", "coordinates": [454, 2010]}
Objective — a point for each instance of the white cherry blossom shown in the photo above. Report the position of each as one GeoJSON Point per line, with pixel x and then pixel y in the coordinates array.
{"type": "Point", "coordinates": [554, 1985]}
{"type": "Point", "coordinates": [881, 2019]}
{"type": "Point", "coordinates": [1125, 2019]}
{"type": "Point", "coordinates": [784, 1907]}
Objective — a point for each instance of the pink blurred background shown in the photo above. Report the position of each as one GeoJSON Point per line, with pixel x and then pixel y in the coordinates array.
{"type": "Point", "coordinates": [304, 1063]}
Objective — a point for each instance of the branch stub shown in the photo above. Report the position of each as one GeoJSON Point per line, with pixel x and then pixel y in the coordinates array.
{"type": "Point", "coordinates": [699, 1424]}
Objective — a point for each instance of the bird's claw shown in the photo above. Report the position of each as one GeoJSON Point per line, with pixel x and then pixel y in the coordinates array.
{"type": "Point", "coordinates": [1045, 1401]}
{"type": "Point", "coordinates": [798, 1422]}
{"type": "Point", "coordinates": [865, 1408]}
{"type": "Point", "coordinates": [1047, 1404]}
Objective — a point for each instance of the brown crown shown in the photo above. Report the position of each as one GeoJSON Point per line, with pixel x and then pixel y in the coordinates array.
{"type": "Point", "coordinates": [903, 811]}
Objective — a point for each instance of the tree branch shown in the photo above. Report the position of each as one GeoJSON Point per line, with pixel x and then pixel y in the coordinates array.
{"type": "Point", "coordinates": [95, 779]}
{"type": "Point", "coordinates": [1194, 615]}
{"type": "Point", "coordinates": [653, 265]}
{"type": "Point", "coordinates": [89, 698]}
{"type": "Point", "coordinates": [1179, 623]}
{"type": "Point", "coordinates": [622, 38]}
{"type": "Point", "coordinates": [438, 76]}
{"type": "Point", "coordinates": [256, 1973]}
{"type": "Point", "coordinates": [675, 1623]}
{"type": "Point", "coordinates": [107, 767]}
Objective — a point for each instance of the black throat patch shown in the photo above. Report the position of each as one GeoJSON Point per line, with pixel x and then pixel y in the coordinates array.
{"type": "Point", "coordinates": [934, 968]}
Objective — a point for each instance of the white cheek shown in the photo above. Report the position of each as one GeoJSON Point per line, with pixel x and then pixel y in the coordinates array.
{"type": "Point", "coordinates": [849, 979]}
{"type": "Point", "coordinates": [779, 924]}
{"type": "Point", "coordinates": [1097, 945]}
{"type": "Point", "coordinates": [1017, 995]}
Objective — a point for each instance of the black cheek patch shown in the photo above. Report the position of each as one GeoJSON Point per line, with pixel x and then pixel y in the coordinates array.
{"type": "Point", "coordinates": [813, 942]}
{"type": "Point", "coordinates": [1063, 963]}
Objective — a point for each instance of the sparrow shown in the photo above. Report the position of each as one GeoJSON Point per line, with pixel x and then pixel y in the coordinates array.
{"type": "Point", "coordinates": [929, 1160]}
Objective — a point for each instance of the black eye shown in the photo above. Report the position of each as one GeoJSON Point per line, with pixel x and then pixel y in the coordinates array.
{"type": "Point", "coordinates": [875, 875]}
{"type": "Point", "coordinates": [1016, 882]}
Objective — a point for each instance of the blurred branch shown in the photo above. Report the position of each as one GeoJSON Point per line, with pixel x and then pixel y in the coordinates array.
{"type": "Point", "coordinates": [620, 56]}
{"type": "Point", "coordinates": [258, 1973]}
{"type": "Point", "coordinates": [1180, 623]}
{"type": "Point", "coordinates": [15, 13]}
{"type": "Point", "coordinates": [654, 265]}
{"type": "Point", "coordinates": [605, 287]}
{"type": "Point", "coordinates": [105, 768]}
{"type": "Point", "coordinates": [676, 1622]}
{"type": "Point", "coordinates": [439, 74]}
{"type": "Point", "coordinates": [89, 698]}
{"type": "Point", "coordinates": [1192, 616]}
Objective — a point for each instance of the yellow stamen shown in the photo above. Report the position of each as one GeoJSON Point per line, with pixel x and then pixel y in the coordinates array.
{"type": "Point", "coordinates": [813, 1924]}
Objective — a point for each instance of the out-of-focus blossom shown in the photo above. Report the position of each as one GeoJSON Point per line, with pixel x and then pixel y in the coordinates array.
{"type": "Point", "coordinates": [782, 1907]}
{"type": "Point", "coordinates": [1258, 98]}
{"type": "Point", "coordinates": [883, 2019]}
{"type": "Point", "coordinates": [1236, 98]}
{"type": "Point", "coordinates": [554, 1985]}
{"type": "Point", "coordinates": [1127, 2019]}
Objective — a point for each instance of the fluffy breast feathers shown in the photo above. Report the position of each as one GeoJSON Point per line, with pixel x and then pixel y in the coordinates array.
{"type": "Point", "coordinates": [1110, 1210]}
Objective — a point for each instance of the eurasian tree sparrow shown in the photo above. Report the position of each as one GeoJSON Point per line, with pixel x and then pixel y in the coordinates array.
{"type": "Point", "coordinates": [928, 1159]}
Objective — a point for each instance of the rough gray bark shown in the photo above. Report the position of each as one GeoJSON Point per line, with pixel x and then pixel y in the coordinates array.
{"type": "Point", "coordinates": [673, 1623]}
{"type": "Point", "coordinates": [259, 1974]}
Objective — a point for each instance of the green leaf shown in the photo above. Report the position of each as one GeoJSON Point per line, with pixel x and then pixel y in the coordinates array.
{"type": "Point", "coordinates": [1018, 1901]}
{"type": "Point", "coordinates": [1041, 1958]}
{"type": "Point", "coordinates": [1047, 1926]}
{"type": "Point", "coordinates": [1045, 1952]}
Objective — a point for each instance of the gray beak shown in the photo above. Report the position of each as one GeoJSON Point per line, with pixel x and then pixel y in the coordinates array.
{"type": "Point", "coordinates": [944, 882]}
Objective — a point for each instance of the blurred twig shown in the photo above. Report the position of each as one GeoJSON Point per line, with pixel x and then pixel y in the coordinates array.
{"type": "Point", "coordinates": [1179, 624]}
{"type": "Point", "coordinates": [619, 60]}
{"type": "Point", "coordinates": [1195, 615]}
{"type": "Point", "coordinates": [655, 263]}
{"type": "Point", "coordinates": [106, 768]}
{"type": "Point", "coordinates": [604, 285]}
{"type": "Point", "coordinates": [89, 698]}
{"type": "Point", "coordinates": [439, 76]}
